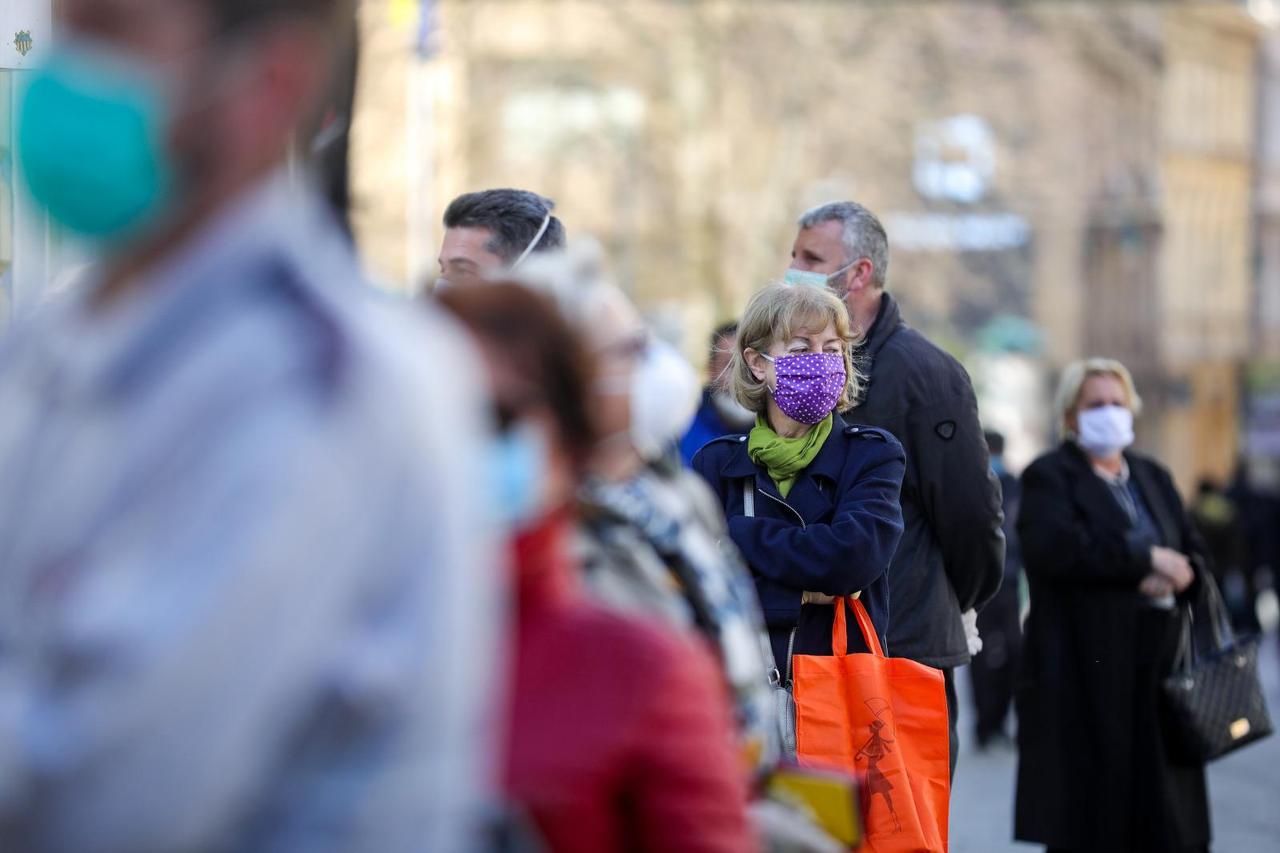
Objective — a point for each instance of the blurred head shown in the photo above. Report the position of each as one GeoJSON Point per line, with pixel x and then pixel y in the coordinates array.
{"type": "Point", "coordinates": [645, 393]}
{"type": "Point", "coordinates": [1090, 384]}
{"type": "Point", "coordinates": [541, 379]}
{"type": "Point", "coordinates": [150, 112]}
{"type": "Point", "coordinates": [783, 320]}
{"type": "Point", "coordinates": [493, 230]}
{"type": "Point", "coordinates": [720, 356]}
{"type": "Point", "coordinates": [846, 243]}
{"type": "Point", "coordinates": [995, 442]}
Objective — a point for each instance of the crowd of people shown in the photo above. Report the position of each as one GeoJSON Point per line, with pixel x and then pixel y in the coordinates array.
{"type": "Point", "coordinates": [291, 564]}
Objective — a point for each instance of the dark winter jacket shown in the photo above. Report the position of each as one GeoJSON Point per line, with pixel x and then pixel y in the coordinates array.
{"type": "Point", "coordinates": [1095, 769]}
{"type": "Point", "coordinates": [835, 533]}
{"type": "Point", "coordinates": [951, 557]}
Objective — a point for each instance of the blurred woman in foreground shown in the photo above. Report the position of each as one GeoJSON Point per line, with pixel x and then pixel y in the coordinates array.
{"type": "Point", "coordinates": [620, 736]}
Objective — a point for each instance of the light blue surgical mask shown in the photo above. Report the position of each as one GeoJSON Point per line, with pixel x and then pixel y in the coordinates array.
{"type": "Point", "coordinates": [92, 128]}
{"type": "Point", "coordinates": [809, 278]}
{"type": "Point", "coordinates": [518, 467]}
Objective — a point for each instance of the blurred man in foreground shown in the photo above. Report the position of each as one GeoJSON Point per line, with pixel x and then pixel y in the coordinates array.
{"type": "Point", "coordinates": [494, 230]}
{"type": "Point", "coordinates": [239, 549]}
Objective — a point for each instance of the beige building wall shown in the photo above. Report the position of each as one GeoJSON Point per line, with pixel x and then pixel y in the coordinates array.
{"type": "Point", "coordinates": [688, 136]}
{"type": "Point", "coordinates": [1207, 281]}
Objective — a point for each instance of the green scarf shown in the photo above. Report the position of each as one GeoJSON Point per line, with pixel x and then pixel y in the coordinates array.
{"type": "Point", "coordinates": [785, 458]}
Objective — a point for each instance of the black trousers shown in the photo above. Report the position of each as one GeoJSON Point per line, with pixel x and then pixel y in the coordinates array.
{"type": "Point", "coordinates": [994, 669]}
{"type": "Point", "coordinates": [953, 708]}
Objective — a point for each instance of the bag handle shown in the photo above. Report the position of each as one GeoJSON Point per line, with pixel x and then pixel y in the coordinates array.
{"type": "Point", "coordinates": [1219, 618]}
{"type": "Point", "coordinates": [839, 635]}
{"type": "Point", "coordinates": [1219, 624]}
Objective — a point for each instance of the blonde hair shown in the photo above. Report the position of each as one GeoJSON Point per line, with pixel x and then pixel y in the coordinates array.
{"type": "Point", "coordinates": [776, 314]}
{"type": "Point", "coordinates": [1077, 373]}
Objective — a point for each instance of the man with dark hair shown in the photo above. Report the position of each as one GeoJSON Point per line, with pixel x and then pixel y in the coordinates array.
{"type": "Point", "coordinates": [951, 557]}
{"type": "Point", "coordinates": [240, 546]}
{"type": "Point", "coordinates": [719, 414]}
{"type": "Point", "coordinates": [491, 230]}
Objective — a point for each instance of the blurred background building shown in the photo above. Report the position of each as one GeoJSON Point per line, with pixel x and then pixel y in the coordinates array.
{"type": "Point", "coordinates": [1058, 179]}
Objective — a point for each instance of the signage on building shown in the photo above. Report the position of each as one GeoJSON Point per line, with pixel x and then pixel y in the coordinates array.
{"type": "Point", "coordinates": [955, 159]}
{"type": "Point", "coordinates": [26, 27]}
{"type": "Point", "coordinates": [955, 164]}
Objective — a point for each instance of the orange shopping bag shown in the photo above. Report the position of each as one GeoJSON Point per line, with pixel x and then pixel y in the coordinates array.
{"type": "Point", "coordinates": [885, 719]}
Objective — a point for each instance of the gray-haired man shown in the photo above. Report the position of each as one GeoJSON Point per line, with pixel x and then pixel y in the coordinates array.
{"type": "Point", "coordinates": [951, 557]}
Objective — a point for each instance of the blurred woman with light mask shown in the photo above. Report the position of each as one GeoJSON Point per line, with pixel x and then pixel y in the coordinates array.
{"type": "Point", "coordinates": [652, 539]}
{"type": "Point", "coordinates": [619, 734]}
{"type": "Point", "coordinates": [1108, 549]}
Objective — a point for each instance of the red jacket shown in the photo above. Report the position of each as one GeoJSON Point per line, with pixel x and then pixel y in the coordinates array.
{"type": "Point", "coordinates": [621, 735]}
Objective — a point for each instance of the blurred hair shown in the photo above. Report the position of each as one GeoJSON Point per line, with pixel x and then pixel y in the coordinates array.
{"type": "Point", "coordinates": [724, 330]}
{"type": "Point", "coordinates": [861, 233]}
{"type": "Point", "coordinates": [512, 217]}
{"type": "Point", "coordinates": [775, 315]}
{"type": "Point", "coordinates": [580, 285]}
{"type": "Point", "coordinates": [237, 15]}
{"type": "Point", "coordinates": [524, 328]}
{"type": "Point", "coordinates": [1077, 373]}
{"type": "Point", "coordinates": [995, 442]}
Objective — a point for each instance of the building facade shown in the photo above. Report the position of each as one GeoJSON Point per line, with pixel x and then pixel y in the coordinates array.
{"type": "Point", "coordinates": [1082, 169]}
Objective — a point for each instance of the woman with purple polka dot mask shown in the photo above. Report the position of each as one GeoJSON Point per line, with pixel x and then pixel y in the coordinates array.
{"type": "Point", "coordinates": [811, 502]}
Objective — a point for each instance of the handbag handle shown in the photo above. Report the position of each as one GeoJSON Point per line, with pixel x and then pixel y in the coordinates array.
{"type": "Point", "coordinates": [839, 635]}
{"type": "Point", "coordinates": [1219, 624]}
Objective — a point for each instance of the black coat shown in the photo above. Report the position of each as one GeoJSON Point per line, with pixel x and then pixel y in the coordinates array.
{"type": "Point", "coordinates": [1094, 771]}
{"type": "Point", "coordinates": [951, 557]}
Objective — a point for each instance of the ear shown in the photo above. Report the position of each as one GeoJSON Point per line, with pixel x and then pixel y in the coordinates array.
{"type": "Point", "coordinates": [288, 81]}
{"type": "Point", "coordinates": [756, 363]}
{"type": "Point", "coordinates": [858, 276]}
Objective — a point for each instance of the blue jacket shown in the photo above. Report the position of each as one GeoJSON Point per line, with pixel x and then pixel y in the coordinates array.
{"type": "Point", "coordinates": [835, 533]}
{"type": "Point", "coordinates": [707, 425]}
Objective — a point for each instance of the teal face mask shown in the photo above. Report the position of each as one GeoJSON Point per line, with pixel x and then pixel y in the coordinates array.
{"type": "Point", "coordinates": [91, 143]}
{"type": "Point", "coordinates": [517, 465]}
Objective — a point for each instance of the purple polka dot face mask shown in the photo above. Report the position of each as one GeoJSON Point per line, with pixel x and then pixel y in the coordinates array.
{"type": "Point", "coordinates": [809, 384]}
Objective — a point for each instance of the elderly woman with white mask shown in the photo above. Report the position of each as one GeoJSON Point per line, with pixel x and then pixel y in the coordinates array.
{"type": "Point", "coordinates": [651, 531]}
{"type": "Point", "coordinates": [1108, 548]}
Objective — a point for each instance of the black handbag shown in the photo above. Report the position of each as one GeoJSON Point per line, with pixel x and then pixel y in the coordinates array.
{"type": "Point", "coordinates": [1215, 700]}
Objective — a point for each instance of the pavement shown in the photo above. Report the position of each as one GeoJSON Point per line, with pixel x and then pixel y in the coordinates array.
{"type": "Point", "coordinates": [1244, 787]}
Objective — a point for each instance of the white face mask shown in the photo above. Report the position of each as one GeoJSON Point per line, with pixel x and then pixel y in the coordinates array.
{"type": "Point", "coordinates": [1105, 431]}
{"type": "Point", "coordinates": [735, 415]}
{"type": "Point", "coordinates": [664, 399]}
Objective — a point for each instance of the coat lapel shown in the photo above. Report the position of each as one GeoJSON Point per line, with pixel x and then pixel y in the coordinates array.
{"type": "Point", "coordinates": [1155, 500]}
{"type": "Point", "coordinates": [1092, 494]}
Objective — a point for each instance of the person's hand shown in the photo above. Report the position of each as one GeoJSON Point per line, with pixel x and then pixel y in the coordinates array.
{"type": "Point", "coordinates": [1155, 585]}
{"type": "Point", "coordinates": [969, 619]}
{"type": "Point", "coordinates": [1173, 566]}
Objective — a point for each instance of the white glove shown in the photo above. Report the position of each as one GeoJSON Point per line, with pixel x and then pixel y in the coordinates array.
{"type": "Point", "coordinates": [970, 620]}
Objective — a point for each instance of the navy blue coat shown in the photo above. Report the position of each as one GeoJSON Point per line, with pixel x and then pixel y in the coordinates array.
{"type": "Point", "coordinates": [835, 533]}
